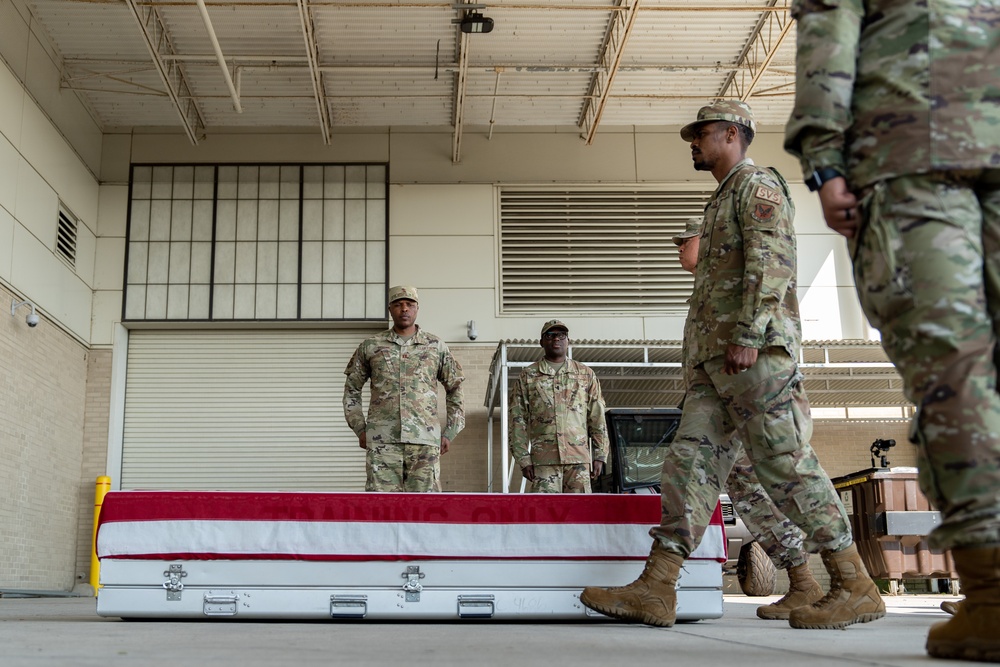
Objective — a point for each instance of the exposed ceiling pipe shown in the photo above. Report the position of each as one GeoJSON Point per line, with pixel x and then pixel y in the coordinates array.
{"type": "Point", "coordinates": [312, 57]}
{"type": "Point", "coordinates": [461, 79]}
{"type": "Point", "coordinates": [218, 55]}
{"type": "Point", "coordinates": [493, 111]}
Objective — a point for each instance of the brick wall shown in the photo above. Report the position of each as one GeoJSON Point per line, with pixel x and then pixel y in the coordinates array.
{"type": "Point", "coordinates": [464, 468]}
{"type": "Point", "coordinates": [95, 452]}
{"type": "Point", "coordinates": [43, 378]}
{"type": "Point", "coordinates": [844, 446]}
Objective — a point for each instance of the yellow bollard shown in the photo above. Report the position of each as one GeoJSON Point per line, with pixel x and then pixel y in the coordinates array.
{"type": "Point", "coordinates": [103, 486]}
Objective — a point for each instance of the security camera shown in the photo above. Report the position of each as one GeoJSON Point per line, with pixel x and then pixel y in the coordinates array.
{"type": "Point", "coordinates": [32, 318]}
{"type": "Point", "coordinates": [473, 334]}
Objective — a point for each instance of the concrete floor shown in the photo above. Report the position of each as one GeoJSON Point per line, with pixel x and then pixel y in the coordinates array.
{"type": "Point", "coordinates": [44, 632]}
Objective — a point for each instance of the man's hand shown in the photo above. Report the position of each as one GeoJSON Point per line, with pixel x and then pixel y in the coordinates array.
{"type": "Point", "coordinates": [529, 473]}
{"type": "Point", "coordinates": [445, 445]}
{"type": "Point", "coordinates": [363, 440]}
{"type": "Point", "coordinates": [738, 359]}
{"type": "Point", "coordinates": [596, 469]}
{"type": "Point", "coordinates": [840, 207]}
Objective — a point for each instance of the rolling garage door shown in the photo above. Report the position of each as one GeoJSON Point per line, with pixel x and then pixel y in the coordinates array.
{"type": "Point", "coordinates": [240, 410]}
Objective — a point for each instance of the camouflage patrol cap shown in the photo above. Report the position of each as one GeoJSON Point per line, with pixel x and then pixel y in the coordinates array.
{"type": "Point", "coordinates": [732, 111]}
{"type": "Point", "coordinates": [692, 229]}
{"type": "Point", "coordinates": [403, 292]}
{"type": "Point", "coordinates": [554, 324]}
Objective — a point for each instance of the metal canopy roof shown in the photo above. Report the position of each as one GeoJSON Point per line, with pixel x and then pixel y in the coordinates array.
{"type": "Point", "coordinates": [646, 374]}
{"type": "Point", "coordinates": [214, 65]}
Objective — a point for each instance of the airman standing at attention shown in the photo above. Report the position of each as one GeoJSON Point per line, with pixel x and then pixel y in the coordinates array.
{"type": "Point", "coordinates": [402, 436]}
{"type": "Point", "coordinates": [557, 407]}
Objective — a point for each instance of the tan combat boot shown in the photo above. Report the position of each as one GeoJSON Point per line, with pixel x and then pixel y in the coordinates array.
{"type": "Point", "coordinates": [650, 599]}
{"type": "Point", "coordinates": [853, 596]}
{"type": "Point", "coordinates": [973, 633]}
{"type": "Point", "coordinates": [803, 589]}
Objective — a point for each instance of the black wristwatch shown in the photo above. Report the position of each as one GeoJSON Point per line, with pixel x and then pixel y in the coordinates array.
{"type": "Point", "coordinates": [821, 176]}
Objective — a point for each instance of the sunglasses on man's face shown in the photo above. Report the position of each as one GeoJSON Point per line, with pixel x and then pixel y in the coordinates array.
{"type": "Point", "coordinates": [560, 335]}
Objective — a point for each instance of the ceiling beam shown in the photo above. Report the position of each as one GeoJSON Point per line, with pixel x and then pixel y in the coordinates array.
{"type": "Point", "coordinates": [619, 30]}
{"type": "Point", "coordinates": [278, 63]}
{"type": "Point", "coordinates": [315, 75]}
{"type": "Point", "coordinates": [448, 4]}
{"type": "Point", "coordinates": [158, 42]}
{"type": "Point", "coordinates": [765, 39]}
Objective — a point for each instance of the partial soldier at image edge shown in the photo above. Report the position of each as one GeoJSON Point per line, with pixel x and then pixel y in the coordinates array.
{"type": "Point", "coordinates": [897, 126]}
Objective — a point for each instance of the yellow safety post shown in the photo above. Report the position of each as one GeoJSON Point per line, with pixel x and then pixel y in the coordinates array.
{"type": "Point", "coordinates": [102, 488]}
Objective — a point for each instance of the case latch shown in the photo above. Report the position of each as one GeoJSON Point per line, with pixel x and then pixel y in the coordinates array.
{"type": "Point", "coordinates": [173, 583]}
{"type": "Point", "coordinates": [413, 575]}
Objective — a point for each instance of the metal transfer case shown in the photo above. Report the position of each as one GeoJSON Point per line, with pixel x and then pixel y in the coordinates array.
{"type": "Point", "coordinates": [382, 556]}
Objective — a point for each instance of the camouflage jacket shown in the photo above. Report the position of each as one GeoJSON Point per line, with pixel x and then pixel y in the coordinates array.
{"type": "Point", "coordinates": [744, 285]}
{"type": "Point", "coordinates": [559, 414]}
{"type": "Point", "coordinates": [886, 88]}
{"type": "Point", "coordinates": [404, 400]}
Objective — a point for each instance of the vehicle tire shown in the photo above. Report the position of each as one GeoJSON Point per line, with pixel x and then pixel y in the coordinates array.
{"type": "Point", "coordinates": [755, 571]}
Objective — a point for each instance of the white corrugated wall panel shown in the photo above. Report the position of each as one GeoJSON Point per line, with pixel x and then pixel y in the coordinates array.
{"type": "Point", "coordinates": [240, 410]}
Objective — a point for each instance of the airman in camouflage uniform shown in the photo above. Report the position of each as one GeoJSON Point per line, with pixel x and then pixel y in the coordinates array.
{"type": "Point", "coordinates": [897, 125]}
{"type": "Point", "coordinates": [402, 435]}
{"type": "Point", "coordinates": [558, 410]}
{"type": "Point", "coordinates": [780, 538]}
{"type": "Point", "coordinates": [741, 342]}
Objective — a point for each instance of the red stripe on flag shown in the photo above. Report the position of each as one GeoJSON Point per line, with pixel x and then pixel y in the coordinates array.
{"type": "Point", "coordinates": [478, 508]}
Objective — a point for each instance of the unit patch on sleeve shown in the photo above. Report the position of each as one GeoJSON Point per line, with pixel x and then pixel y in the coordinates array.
{"type": "Point", "coordinates": [767, 194]}
{"type": "Point", "coordinates": [762, 212]}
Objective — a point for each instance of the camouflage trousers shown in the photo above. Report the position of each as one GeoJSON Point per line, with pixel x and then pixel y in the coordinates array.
{"type": "Point", "coordinates": [780, 538]}
{"type": "Point", "coordinates": [927, 271]}
{"type": "Point", "coordinates": [767, 407]}
{"type": "Point", "coordinates": [572, 478]}
{"type": "Point", "coordinates": [393, 466]}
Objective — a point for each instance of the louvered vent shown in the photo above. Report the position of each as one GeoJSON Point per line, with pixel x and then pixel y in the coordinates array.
{"type": "Point", "coordinates": [586, 250]}
{"type": "Point", "coordinates": [66, 237]}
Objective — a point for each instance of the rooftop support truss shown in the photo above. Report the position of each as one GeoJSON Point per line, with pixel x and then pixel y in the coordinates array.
{"type": "Point", "coordinates": [619, 30]}
{"type": "Point", "coordinates": [765, 39]}
{"type": "Point", "coordinates": [171, 73]}
{"type": "Point", "coordinates": [315, 74]}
